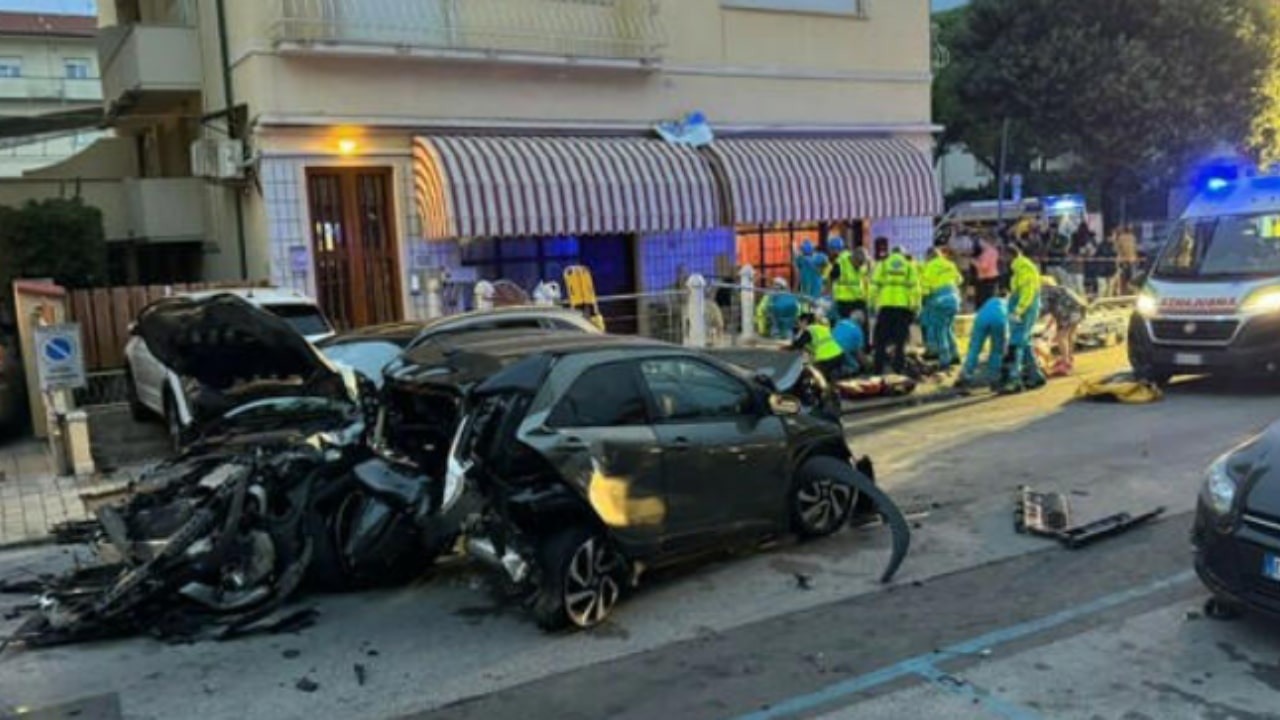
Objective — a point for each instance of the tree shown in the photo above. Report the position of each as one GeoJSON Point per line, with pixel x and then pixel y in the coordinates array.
{"type": "Point", "coordinates": [1134, 90]}
{"type": "Point", "coordinates": [56, 238]}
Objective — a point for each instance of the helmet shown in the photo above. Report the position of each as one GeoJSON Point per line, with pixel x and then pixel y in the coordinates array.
{"type": "Point", "coordinates": [781, 283]}
{"type": "Point", "coordinates": [836, 244]}
{"type": "Point", "coordinates": [806, 247]}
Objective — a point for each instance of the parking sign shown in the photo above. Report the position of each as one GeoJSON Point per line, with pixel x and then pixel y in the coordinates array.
{"type": "Point", "coordinates": [59, 360]}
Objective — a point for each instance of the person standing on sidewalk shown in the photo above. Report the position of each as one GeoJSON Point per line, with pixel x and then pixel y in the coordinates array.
{"type": "Point", "coordinates": [940, 283]}
{"type": "Point", "coordinates": [987, 270]}
{"type": "Point", "coordinates": [811, 268]}
{"type": "Point", "coordinates": [1104, 260]}
{"type": "Point", "coordinates": [1024, 311]}
{"type": "Point", "coordinates": [850, 280]}
{"type": "Point", "coordinates": [896, 290]}
{"type": "Point", "coordinates": [1126, 259]}
{"type": "Point", "coordinates": [1067, 310]}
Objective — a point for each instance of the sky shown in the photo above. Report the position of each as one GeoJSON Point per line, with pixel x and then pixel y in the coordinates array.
{"type": "Point", "coordinates": [947, 4]}
{"type": "Point", "coordinates": [71, 7]}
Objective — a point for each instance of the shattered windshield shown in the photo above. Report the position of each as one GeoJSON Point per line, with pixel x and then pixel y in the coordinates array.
{"type": "Point", "coordinates": [1218, 247]}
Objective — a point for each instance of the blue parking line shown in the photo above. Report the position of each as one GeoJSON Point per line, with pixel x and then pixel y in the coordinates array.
{"type": "Point", "coordinates": [925, 666]}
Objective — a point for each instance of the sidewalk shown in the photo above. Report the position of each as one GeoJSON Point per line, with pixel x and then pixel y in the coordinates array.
{"type": "Point", "coordinates": [33, 499]}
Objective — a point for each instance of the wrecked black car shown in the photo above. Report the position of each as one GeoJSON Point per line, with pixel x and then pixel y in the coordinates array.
{"type": "Point", "coordinates": [1237, 527]}
{"type": "Point", "coordinates": [599, 458]}
{"type": "Point", "coordinates": [277, 492]}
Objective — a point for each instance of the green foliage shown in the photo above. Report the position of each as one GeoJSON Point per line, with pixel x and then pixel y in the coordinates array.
{"type": "Point", "coordinates": [1135, 90]}
{"type": "Point", "coordinates": [56, 238]}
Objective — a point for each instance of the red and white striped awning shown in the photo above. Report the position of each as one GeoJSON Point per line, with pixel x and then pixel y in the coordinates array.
{"type": "Point", "coordinates": [543, 186]}
{"type": "Point", "coordinates": [825, 180]}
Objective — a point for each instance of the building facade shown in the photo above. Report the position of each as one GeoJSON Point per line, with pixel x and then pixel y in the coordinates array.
{"type": "Point", "coordinates": [48, 65]}
{"type": "Point", "coordinates": [352, 149]}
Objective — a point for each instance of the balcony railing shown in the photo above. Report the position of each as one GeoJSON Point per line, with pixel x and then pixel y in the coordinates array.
{"type": "Point", "coordinates": [143, 58]}
{"type": "Point", "coordinates": [605, 29]}
{"type": "Point", "coordinates": [86, 90]}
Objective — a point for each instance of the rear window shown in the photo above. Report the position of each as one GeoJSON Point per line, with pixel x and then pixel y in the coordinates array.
{"type": "Point", "coordinates": [306, 319]}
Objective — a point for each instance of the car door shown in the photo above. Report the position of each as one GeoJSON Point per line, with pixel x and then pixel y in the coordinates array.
{"type": "Point", "coordinates": [724, 456]}
{"type": "Point", "coordinates": [599, 438]}
{"type": "Point", "coordinates": [149, 376]}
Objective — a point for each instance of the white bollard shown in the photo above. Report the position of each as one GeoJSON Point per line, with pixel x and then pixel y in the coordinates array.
{"type": "Point", "coordinates": [547, 294]}
{"type": "Point", "coordinates": [484, 295]}
{"type": "Point", "coordinates": [747, 298]}
{"type": "Point", "coordinates": [435, 297]}
{"type": "Point", "coordinates": [696, 309]}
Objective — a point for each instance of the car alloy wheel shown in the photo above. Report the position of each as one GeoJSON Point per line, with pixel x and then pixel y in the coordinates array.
{"type": "Point", "coordinates": [591, 588]}
{"type": "Point", "coordinates": [823, 504]}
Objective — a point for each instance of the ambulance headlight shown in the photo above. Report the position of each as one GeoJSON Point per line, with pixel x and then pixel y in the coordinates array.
{"type": "Point", "coordinates": [1147, 304]}
{"type": "Point", "coordinates": [1266, 300]}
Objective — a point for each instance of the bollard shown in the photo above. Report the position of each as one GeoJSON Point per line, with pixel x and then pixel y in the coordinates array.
{"type": "Point", "coordinates": [747, 298]}
{"type": "Point", "coordinates": [435, 297]}
{"type": "Point", "coordinates": [696, 312]}
{"type": "Point", "coordinates": [484, 295]}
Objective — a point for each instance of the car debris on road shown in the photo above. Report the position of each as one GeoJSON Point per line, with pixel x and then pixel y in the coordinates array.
{"type": "Point", "coordinates": [544, 454]}
{"type": "Point", "coordinates": [1048, 514]}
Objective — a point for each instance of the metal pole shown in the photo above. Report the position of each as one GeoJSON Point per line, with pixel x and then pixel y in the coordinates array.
{"type": "Point", "coordinates": [234, 132]}
{"type": "Point", "coordinates": [1004, 159]}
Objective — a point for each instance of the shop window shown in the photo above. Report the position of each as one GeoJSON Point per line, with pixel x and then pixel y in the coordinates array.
{"type": "Point", "coordinates": [771, 250]}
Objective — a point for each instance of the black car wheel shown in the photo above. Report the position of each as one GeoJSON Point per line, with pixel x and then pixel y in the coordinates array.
{"type": "Point", "coordinates": [1140, 358]}
{"type": "Point", "coordinates": [137, 410]}
{"type": "Point", "coordinates": [582, 580]}
{"type": "Point", "coordinates": [822, 497]}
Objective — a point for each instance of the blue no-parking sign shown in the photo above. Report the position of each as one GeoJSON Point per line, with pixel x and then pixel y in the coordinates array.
{"type": "Point", "coordinates": [59, 360]}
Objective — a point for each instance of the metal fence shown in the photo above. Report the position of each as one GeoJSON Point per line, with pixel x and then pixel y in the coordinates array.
{"type": "Point", "coordinates": [621, 29]}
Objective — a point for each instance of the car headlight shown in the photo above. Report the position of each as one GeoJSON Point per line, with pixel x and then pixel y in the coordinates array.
{"type": "Point", "coordinates": [1220, 487]}
{"type": "Point", "coordinates": [1266, 300]}
{"type": "Point", "coordinates": [1147, 304]}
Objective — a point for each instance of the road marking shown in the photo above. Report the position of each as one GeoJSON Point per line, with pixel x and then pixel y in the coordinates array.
{"type": "Point", "coordinates": [925, 666]}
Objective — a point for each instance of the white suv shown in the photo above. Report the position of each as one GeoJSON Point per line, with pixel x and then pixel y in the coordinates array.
{"type": "Point", "coordinates": [156, 391]}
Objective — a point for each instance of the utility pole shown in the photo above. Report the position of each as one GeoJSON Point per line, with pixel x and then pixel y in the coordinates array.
{"type": "Point", "coordinates": [1004, 159]}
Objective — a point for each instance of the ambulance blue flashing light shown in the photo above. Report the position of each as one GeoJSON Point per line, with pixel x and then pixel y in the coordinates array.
{"type": "Point", "coordinates": [1217, 185]}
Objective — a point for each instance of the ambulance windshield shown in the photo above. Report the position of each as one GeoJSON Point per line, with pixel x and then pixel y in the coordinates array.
{"type": "Point", "coordinates": [1232, 246]}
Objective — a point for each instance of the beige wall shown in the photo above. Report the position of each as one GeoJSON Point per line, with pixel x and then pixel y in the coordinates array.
{"type": "Point", "coordinates": [738, 66]}
{"type": "Point", "coordinates": [43, 87]}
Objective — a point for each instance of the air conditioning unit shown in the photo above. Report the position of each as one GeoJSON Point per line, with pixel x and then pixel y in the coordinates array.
{"type": "Point", "coordinates": [218, 159]}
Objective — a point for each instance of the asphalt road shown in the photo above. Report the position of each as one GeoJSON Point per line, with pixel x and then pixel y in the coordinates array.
{"type": "Point", "coordinates": [1025, 630]}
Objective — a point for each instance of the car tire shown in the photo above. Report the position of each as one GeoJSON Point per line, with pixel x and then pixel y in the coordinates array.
{"type": "Point", "coordinates": [582, 580]}
{"type": "Point", "coordinates": [822, 496]}
{"type": "Point", "coordinates": [137, 410]}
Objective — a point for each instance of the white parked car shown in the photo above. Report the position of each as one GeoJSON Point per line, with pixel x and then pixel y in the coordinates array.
{"type": "Point", "coordinates": [156, 391]}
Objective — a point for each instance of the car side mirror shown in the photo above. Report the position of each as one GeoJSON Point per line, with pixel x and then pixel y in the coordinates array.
{"type": "Point", "coordinates": [785, 405]}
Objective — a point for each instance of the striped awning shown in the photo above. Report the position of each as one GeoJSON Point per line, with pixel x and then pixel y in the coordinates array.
{"type": "Point", "coordinates": [825, 180]}
{"type": "Point", "coordinates": [543, 186]}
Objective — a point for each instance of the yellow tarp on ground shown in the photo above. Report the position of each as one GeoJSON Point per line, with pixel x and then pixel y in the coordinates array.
{"type": "Point", "coordinates": [1123, 388]}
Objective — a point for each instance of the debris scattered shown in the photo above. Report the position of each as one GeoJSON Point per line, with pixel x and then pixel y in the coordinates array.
{"type": "Point", "coordinates": [985, 653]}
{"type": "Point", "coordinates": [360, 674]}
{"type": "Point", "coordinates": [1048, 514]}
{"type": "Point", "coordinates": [1219, 610]}
{"type": "Point", "coordinates": [291, 654]}
{"type": "Point", "coordinates": [1193, 615]}
{"type": "Point", "coordinates": [307, 685]}
{"type": "Point", "coordinates": [804, 582]}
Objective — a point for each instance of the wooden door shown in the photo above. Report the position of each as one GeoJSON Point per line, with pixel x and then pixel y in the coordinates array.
{"type": "Point", "coordinates": [353, 240]}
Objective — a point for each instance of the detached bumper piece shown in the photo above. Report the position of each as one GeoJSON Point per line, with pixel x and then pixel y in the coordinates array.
{"type": "Point", "coordinates": [1049, 515]}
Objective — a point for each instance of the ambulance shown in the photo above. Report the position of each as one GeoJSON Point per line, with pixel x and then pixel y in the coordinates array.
{"type": "Point", "coordinates": [1211, 303]}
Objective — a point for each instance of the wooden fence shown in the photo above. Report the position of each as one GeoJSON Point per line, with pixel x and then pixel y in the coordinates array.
{"type": "Point", "coordinates": [104, 315]}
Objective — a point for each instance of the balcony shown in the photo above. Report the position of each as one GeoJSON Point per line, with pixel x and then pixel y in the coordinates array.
{"type": "Point", "coordinates": [86, 91]}
{"type": "Point", "coordinates": [624, 33]}
{"type": "Point", "coordinates": [164, 209]}
{"type": "Point", "coordinates": [148, 65]}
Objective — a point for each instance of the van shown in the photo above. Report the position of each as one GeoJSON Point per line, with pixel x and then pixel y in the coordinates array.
{"type": "Point", "coordinates": [1211, 303]}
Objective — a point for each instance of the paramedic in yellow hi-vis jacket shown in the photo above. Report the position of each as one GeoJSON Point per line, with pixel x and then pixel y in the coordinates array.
{"type": "Point", "coordinates": [1023, 371]}
{"type": "Point", "coordinates": [895, 291]}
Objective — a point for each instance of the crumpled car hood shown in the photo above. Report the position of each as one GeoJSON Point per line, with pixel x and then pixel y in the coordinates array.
{"type": "Point", "coordinates": [224, 341]}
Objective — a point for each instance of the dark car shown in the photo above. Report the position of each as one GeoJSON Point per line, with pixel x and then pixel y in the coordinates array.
{"type": "Point", "coordinates": [601, 457]}
{"type": "Point", "coordinates": [1237, 528]}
